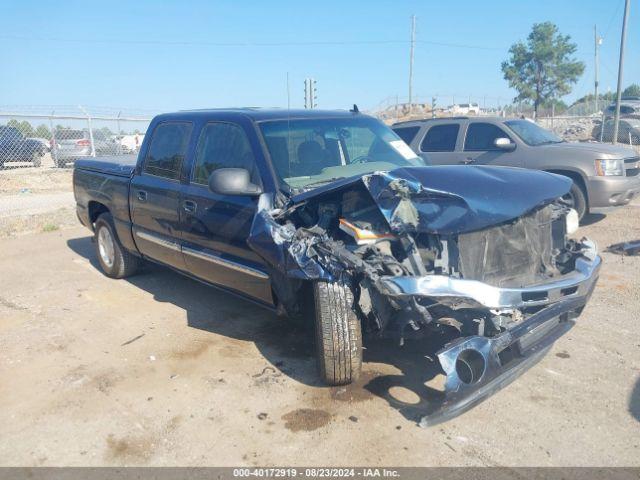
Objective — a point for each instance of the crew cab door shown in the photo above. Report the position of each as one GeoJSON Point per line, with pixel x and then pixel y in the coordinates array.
{"type": "Point", "coordinates": [439, 143]}
{"type": "Point", "coordinates": [479, 147]}
{"type": "Point", "coordinates": [155, 194]}
{"type": "Point", "coordinates": [215, 227]}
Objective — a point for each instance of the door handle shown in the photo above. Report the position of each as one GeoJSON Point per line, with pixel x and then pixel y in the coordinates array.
{"type": "Point", "coordinates": [189, 206]}
{"type": "Point", "coordinates": [142, 195]}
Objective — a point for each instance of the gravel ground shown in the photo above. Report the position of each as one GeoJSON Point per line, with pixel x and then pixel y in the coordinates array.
{"type": "Point", "coordinates": [35, 200]}
{"type": "Point", "coordinates": [161, 370]}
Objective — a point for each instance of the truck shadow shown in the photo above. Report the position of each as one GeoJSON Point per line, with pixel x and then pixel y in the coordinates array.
{"type": "Point", "coordinates": [634, 401]}
{"type": "Point", "coordinates": [290, 349]}
{"type": "Point", "coordinates": [592, 218]}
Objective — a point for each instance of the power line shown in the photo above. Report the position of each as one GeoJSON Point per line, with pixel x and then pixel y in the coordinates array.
{"type": "Point", "coordinates": [191, 43]}
{"type": "Point", "coordinates": [615, 15]}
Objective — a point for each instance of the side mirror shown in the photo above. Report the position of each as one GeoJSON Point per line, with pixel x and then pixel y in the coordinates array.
{"type": "Point", "coordinates": [504, 144]}
{"type": "Point", "coordinates": [233, 181]}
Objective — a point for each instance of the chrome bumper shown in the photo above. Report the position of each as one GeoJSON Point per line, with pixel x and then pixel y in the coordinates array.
{"type": "Point", "coordinates": [526, 343]}
{"type": "Point", "coordinates": [457, 291]}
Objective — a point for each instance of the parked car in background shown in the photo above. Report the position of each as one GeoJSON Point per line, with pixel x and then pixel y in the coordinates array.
{"type": "Point", "coordinates": [629, 106]}
{"type": "Point", "coordinates": [330, 218]}
{"type": "Point", "coordinates": [14, 147]}
{"type": "Point", "coordinates": [70, 144]}
{"type": "Point", "coordinates": [46, 144]}
{"type": "Point", "coordinates": [603, 175]}
{"type": "Point", "coordinates": [131, 143]}
{"type": "Point", "coordinates": [465, 109]}
{"type": "Point", "coordinates": [628, 131]}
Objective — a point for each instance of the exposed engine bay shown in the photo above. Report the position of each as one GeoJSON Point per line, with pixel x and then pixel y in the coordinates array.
{"type": "Point", "coordinates": [422, 259]}
{"type": "Point", "coordinates": [344, 233]}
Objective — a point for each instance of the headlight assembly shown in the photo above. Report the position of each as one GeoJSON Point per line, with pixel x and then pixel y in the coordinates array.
{"type": "Point", "coordinates": [609, 167]}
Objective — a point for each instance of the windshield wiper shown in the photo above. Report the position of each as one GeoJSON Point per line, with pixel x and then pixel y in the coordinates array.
{"type": "Point", "coordinates": [321, 182]}
{"type": "Point", "coordinates": [548, 142]}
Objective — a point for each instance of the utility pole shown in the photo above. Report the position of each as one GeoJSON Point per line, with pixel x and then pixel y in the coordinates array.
{"type": "Point", "coordinates": [623, 39]}
{"type": "Point", "coordinates": [597, 42]}
{"type": "Point", "coordinates": [310, 93]}
{"type": "Point", "coordinates": [413, 41]}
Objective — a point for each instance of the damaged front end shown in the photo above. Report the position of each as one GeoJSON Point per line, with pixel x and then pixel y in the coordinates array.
{"type": "Point", "coordinates": [482, 253]}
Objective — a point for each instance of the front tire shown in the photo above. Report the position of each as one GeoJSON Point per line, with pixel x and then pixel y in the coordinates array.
{"type": "Point", "coordinates": [338, 333]}
{"type": "Point", "coordinates": [577, 199]}
{"type": "Point", "coordinates": [115, 261]}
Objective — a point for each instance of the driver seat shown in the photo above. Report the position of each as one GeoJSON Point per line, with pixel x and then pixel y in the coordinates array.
{"type": "Point", "coordinates": [311, 158]}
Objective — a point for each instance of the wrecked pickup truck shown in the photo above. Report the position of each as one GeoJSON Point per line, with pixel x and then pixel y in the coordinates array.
{"type": "Point", "coordinates": [328, 217]}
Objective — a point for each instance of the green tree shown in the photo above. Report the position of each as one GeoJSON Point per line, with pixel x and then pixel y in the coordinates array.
{"type": "Point", "coordinates": [542, 69]}
{"type": "Point", "coordinates": [42, 131]}
{"type": "Point", "coordinates": [26, 129]}
{"type": "Point", "coordinates": [632, 90]}
{"type": "Point", "coordinates": [106, 131]}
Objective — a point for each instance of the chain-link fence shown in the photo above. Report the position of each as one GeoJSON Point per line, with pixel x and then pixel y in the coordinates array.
{"type": "Point", "coordinates": [594, 128]}
{"type": "Point", "coordinates": [35, 137]}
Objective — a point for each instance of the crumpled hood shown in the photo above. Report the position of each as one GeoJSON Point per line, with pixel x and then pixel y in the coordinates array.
{"type": "Point", "coordinates": [453, 199]}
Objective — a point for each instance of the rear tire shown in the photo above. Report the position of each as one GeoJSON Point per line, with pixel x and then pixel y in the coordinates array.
{"type": "Point", "coordinates": [578, 200]}
{"type": "Point", "coordinates": [114, 259]}
{"type": "Point", "coordinates": [338, 333]}
{"type": "Point", "coordinates": [36, 159]}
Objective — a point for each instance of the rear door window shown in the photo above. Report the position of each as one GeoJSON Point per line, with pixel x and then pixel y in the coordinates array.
{"type": "Point", "coordinates": [481, 137]}
{"type": "Point", "coordinates": [407, 133]}
{"type": "Point", "coordinates": [441, 138]}
{"type": "Point", "coordinates": [167, 149]}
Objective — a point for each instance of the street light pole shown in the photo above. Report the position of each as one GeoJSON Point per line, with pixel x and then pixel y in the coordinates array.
{"type": "Point", "coordinates": [623, 40]}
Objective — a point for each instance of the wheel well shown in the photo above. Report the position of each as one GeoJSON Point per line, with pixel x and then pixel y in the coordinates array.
{"type": "Point", "coordinates": [95, 210]}
{"type": "Point", "coordinates": [576, 177]}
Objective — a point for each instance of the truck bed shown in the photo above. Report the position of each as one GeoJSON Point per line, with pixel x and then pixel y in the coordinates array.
{"type": "Point", "coordinates": [100, 184]}
{"type": "Point", "coordinates": [119, 165]}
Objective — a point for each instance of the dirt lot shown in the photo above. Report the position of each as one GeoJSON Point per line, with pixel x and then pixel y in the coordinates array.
{"type": "Point", "coordinates": [160, 370]}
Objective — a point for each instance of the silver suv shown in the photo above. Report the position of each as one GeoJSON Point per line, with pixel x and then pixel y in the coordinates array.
{"type": "Point", "coordinates": [603, 175]}
{"type": "Point", "coordinates": [70, 144]}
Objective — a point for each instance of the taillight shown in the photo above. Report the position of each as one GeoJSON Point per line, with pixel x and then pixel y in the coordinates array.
{"type": "Point", "coordinates": [83, 143]}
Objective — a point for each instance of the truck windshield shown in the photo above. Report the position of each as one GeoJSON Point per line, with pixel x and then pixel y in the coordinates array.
{"type": "Point", "coordinates": [532, 134]}
{"type": "Point", "coordinates": [309, 152]}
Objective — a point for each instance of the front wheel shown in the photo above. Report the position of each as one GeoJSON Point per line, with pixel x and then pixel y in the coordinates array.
{"type": "Point", "coordinates": [338, 333]}
{"type": "Point", "coordinates": [577, 200]}
{"type": "Point", "coordinates": [115, 260]}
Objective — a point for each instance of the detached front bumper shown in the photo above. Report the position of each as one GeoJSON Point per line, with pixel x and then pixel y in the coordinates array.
{"type": "Point", "coordinates": [478, 366]}
{"type": "Point", "coordinates": [460, 292]}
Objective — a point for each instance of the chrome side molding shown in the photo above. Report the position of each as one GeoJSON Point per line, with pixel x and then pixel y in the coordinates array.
{"type": "Point", "coordinates": [209, 257]}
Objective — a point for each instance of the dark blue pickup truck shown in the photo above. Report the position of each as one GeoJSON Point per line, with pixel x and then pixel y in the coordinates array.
{"type": "Point", "coordinates": [329, 218]}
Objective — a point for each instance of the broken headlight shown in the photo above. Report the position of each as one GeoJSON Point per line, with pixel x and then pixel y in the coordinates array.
{"type": "Point", "coordinates": [572, 220]}
{"type": "Point", "coordinates": [361, 234]}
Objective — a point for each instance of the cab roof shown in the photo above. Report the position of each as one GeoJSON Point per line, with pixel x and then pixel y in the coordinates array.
{"type": "Point", "coordinates": [257, 114]}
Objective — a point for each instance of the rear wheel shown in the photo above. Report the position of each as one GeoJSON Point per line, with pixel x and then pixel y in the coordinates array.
{"type": "Point", "coordinates": [576, 199]}
{"type": "Point", "coordinates": [36, 159]}
{"type": "Point", "coordinates": [115, 261]}
{"type": "Point", "coordinates": [338, 333]}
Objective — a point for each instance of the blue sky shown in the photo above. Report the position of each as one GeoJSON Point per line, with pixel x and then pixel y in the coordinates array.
{"type": "Point", "coordinates": [171, 54]}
